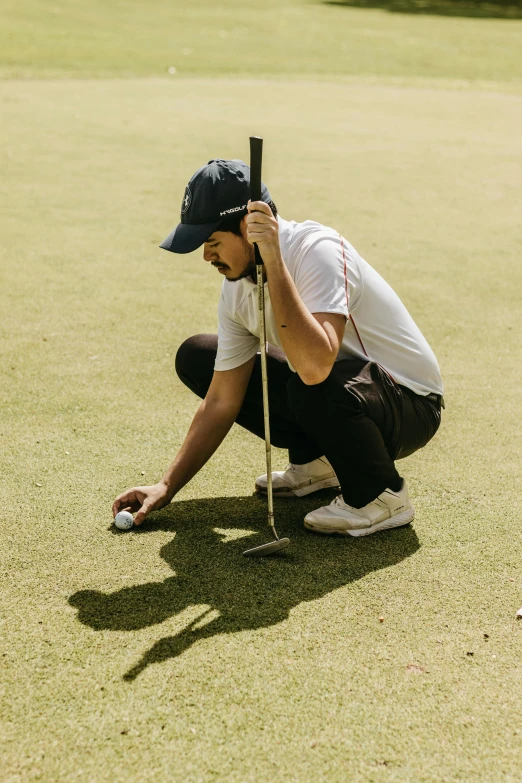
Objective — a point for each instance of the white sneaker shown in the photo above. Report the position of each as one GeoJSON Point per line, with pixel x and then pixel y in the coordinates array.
{"type": "Point", "coordinates": [390, 509]}
{"type": "Point", "coordinates": [300, 480]}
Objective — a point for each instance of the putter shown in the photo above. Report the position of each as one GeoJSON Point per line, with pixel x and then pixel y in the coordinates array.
{"type": "Point", "coordinates": [256, 156]}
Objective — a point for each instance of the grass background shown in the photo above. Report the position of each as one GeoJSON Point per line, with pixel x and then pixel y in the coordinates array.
{"type": "Point", "coordinates": [163, 654]}
{"type": "Point", "coordinates": [298, 38]}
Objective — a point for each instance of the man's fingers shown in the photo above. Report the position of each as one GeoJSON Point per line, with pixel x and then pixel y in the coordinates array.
{"type": "Point", "coordinates": [259, 206]}
{"type": "Point", "coordinates": [128, 500]}
{"type": "Point", "coordinates": [259, 236]}
{"type": "Point", "coordinates": [260, 218]}
{"type": "Point", "coordinates": [142, 513]}
{"type": "Point", "coordinates": [258, 231]}
{"type": "Point", "coordinates": [141, 501]}
{"type": "Point", "coordinates": [120, 503]}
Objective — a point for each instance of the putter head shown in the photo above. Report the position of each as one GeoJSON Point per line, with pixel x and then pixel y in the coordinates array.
{"type": "Point", "coordinates": [268, 549]}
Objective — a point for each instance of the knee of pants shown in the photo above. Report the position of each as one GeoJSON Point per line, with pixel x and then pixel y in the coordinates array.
{"type": "Point", "coordinates": [320, 400]}
{"type": "Point", "coordinates": [195, 359]}
{"type": "Point", "coordinates": [303, 397]}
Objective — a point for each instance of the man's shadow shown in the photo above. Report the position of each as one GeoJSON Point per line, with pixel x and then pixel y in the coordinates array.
{"type": "Point", "coordinates": [247, 593]}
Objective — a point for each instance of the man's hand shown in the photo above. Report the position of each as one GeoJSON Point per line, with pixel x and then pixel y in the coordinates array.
{"type": "Point", "coordinates": [143, 500]}
{"type": "Point", "coordinates": [263, 229]}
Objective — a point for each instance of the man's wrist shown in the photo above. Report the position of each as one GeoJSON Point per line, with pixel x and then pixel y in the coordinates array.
{"type": "Point", "coordinates": [274, 261]}
{"type": "Point", "coordinates": [170, 491]}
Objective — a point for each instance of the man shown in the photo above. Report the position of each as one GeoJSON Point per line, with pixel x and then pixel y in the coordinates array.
{"type": "Point", "coordinates": [353, 384]}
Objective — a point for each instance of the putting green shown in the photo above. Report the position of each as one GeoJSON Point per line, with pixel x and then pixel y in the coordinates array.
{"type": "Point", "coordinates": [165, 655]}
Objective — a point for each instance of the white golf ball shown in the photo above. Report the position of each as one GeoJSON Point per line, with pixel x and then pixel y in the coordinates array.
{"type": "Point", "coordinates": [124, 520]}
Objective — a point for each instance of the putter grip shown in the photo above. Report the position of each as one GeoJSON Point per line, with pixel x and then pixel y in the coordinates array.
{"type": "Point", "coordinates": [256, 161]}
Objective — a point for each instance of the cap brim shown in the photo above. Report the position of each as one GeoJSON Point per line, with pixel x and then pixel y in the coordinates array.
{"type": "Point", "coordinates": [185, 238]}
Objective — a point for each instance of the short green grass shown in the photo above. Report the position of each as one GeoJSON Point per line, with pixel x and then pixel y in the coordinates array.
{"type": "Point", "coordinates": [165, 655]}
{"type": "Point", "coordinates": [298, 38]}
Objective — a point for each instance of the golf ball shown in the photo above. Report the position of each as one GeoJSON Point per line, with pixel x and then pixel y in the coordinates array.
{"type": "Point", "coordinates": [123, 520]}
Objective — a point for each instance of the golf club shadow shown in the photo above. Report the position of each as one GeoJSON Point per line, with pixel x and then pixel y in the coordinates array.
{"type": "Point", "coordinates": [206, 555]}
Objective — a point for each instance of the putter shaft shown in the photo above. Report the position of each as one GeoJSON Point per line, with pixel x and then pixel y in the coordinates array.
{"type": "Point", "coordinates": [256, 154]}
{"type": "Point", "coordinates": [264, 381]}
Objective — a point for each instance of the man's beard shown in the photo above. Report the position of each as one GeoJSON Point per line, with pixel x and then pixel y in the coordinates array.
{"type": "Point", "coordinates": [250, 268]}
{"type": "Point", "coordinates": [249, 271]}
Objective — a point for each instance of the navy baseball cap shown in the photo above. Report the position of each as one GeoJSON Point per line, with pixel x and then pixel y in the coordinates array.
{"type": "Point", "coordinates": [215, 192]}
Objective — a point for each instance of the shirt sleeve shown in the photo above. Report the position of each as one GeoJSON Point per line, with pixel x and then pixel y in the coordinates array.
{"type": "Point", "coordinates": [236, 345]}
{"type": "Point", "coordinates": [321, 276]}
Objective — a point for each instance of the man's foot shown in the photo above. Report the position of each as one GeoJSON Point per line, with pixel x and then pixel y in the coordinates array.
{"type": "Point", "coordinates": [390, 509]}
{"type": "Point", "coordinates": [300, 480]}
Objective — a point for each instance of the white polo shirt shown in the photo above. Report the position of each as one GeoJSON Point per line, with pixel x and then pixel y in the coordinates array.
{"type": "Point", "coordinates": [331, 277]}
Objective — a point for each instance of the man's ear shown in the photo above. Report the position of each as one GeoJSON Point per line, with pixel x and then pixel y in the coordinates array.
{"type": "Point", "coordinates": [243, 228]}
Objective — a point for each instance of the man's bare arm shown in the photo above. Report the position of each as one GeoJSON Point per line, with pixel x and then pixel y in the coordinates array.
{"type": "Point", "coordinates": [310, 341]}
{"type": "Point", "coordinates": [210, 425]}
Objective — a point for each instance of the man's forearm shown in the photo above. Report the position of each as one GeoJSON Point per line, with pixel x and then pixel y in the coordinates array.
{"type": "Point", "coordinates": [305, 342]}
{"type": "Point", "coordinates": [209, 427]}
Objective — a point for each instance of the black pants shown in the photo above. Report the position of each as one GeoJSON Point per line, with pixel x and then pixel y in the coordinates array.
{"type": "Point", "coordinates": [359, 418]}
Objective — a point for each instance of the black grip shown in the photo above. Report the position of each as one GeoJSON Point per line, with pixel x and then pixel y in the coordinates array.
{"type": "Point", "coordinates": [256, 162]}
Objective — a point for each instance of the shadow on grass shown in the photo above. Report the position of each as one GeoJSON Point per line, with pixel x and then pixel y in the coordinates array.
{"type": "Point", "coordinates": [243, 593]}
{"type": "Point", "coordinates": [474, 9]}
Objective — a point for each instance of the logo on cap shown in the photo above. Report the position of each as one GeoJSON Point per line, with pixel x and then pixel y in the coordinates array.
{"type": "Point", "coordinates": [234, 209]}
{"type": "Point", "coordinates": [187, 198]}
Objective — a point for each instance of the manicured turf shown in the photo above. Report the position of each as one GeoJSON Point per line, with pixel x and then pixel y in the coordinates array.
{"type": "Point", "coordinates": [165, 655]}
{"type": "Point", "coordinates": [308, 38]}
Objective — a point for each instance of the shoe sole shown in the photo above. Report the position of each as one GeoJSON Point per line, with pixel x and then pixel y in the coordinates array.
{"type": "Point", "coordinates": [399, 520]}
{"type": "Point", "coordinates": [299, 493]}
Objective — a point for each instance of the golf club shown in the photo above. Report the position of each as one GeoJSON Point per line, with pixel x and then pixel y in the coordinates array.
{"type": "Point", "coordinates": [256, 157]}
